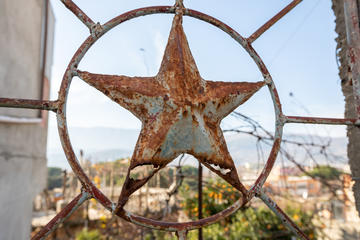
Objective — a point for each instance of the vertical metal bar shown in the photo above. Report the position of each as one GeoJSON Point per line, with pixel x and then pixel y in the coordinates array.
{"type": "Point", "coordinates": [200, 199]}
{"type": "Point", "coordinates": [64, 183]}
{"type": "Point", "coordinates": [273, 20]}
{"type": "Point", "coordinates": [353, 38]}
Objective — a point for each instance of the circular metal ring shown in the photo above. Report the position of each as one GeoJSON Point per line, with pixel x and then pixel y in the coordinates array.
{"type": "Point", "coordinates": [87, 183]}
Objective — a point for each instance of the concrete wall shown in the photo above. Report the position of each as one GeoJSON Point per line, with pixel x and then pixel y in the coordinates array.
{"type": "Point", "coordinates": [353, 133]}
{"type": "Point", "coordinates": [23, 167]}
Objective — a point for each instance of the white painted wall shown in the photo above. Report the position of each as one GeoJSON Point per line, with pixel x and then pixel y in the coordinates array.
{"type": "Point", "coordinates": [23, 167]}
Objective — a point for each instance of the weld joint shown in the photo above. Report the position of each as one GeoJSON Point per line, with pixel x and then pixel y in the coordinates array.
{"type": "Point", "coordinates": [179, 7]}
{"type": "Point", "coordinates": [257, 190]}
{"type": "Point", "coordinates": [268, 80]}
{"type": "Point", "coordinates": [74, 72]}
{"type": "Point", "coordinates": [96, 29]}
{"type": "Point", "coordinates": [84, 191]}
{"type": "Point", "coordinates": [282, 119]}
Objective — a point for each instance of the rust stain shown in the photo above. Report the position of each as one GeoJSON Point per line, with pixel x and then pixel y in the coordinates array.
{"type": "Point", "coordinates": [273, 20]}
{"type": "Point", "coordinates": [180, 112]}
{"type": "Point", "coordinates": [69, 4]}
{"type": "Point", "coordinates": [168, 130]}
{"type": "Point", "coordinates": [30, 104]}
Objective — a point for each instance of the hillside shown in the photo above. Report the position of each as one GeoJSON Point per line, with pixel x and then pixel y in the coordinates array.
{"type": "Point", "coordinates": [104, 144]}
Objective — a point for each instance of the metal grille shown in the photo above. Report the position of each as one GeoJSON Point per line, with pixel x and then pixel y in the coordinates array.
{"type": "Point", "coordinates": [215, 101]}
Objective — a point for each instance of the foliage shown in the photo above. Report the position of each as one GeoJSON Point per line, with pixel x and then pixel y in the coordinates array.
{"type": "Point", "coordinates": [257, 224]}
{"type": "Point", "coordinates": [119, 165]}
{"type": "Point", "coordinates": [160, 235]}
{"type": "Point", "coordinates": [55, 178]}
{"type": "Point", "coordinates": [88, 235]}
{"type": "Point", "coordinates": [251, 223]}
{"type": "Point", "coordinates": [190, 170]}
{"type": "Point", "coordinates": [190, 183]}
{"type": "Point", "coordinates": [326, 172]}
{"type": "Point", "coordinates": [217, 196]}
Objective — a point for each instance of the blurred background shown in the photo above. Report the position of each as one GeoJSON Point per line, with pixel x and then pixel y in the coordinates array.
{"type": "Point", "coordinates": [311, 180]}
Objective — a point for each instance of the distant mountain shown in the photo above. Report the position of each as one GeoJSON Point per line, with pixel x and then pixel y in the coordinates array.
{"type": "Point", "coordinates": [95, 139]}
{"type": "Point", "coordinates": [244, 149]}
{"type": "Point", "coordinates": [105, 144]}
{"type": "Point", "coordinates": [98, 144]}
{"type": "Point", "coordinates": [59, 159]}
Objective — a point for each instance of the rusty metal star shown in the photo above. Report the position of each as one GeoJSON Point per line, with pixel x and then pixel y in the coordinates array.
{"type": "Point", "coordinates": [180, 112]}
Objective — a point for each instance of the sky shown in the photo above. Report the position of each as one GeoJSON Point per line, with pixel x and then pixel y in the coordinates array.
{"type": "Point", "coordinates": [299, 51]}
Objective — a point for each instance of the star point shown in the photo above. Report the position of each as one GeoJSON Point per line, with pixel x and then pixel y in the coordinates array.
{"type": "Point", "coordinates": [180, 112]}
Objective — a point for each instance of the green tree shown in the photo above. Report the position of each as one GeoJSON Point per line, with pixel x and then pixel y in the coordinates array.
{"type": "Point", "coordinates": [88, 235]}
{"type": "Point", "coordinates": [55, 178]}
{"type": "Point", "coordinates": [253, 223]}
{"type": "Point", "coordinates": [326, 172]}
{"type": "Point", "coordinates": [190, 181]}
{"type": "Point", "coordinates": [257, 224]}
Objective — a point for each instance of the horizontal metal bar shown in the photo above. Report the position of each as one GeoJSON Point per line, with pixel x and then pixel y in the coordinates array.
{"type": "Point", "coordinates": [61, 216]}
{"type": "Point", "coordinates": [282, 215]}
{"type": "Point", "coordinates": [31, 104]}
{"type": "Point", "coordinates": [316, 120]}
{"type": "Point", "coordinates": [19, 120]}
{"type": "Point", "coordinates": [79, 13]}
{"type": "Point", "coordinates": [273, 20]}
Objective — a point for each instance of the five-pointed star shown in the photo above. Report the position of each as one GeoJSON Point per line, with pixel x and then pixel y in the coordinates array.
{"type": "Point", "coordinates": [180, 112]}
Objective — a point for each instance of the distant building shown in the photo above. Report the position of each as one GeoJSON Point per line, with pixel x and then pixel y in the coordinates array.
{"type": "Point", "coordinates": [25, 64]}
{"type": "Point", "coordinates": [299, 186]}
{"type": "Point", "coordinates": [317, 197]}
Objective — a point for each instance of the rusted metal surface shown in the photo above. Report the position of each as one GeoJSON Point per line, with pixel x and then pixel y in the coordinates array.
{"type": "Point", "coordinates": [200, 198]}
{"type": "Point", "coordinates": [281, 214]}
{"type": "Point", "coordinates": [273, 20]}
{"type": "Point", "coordinates": [69, 4]}
{"type": "Point", "coordinates": [330, 121]}
{"type": "Point", "coordinates": [26, 103]}
{"type": "Point", "coordinates": [182, 59]}
{"type": "Point", "coordinates": [176, 57]}
{"type": "Point", "coordinates": [185, 226]}
{"type": "Point", "coordinates": [180, 113]}
{"type": "Point", "coordinates": [71, 71]}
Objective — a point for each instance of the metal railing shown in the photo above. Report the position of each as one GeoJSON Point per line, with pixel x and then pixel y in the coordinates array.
{"type": "Point", "coordinates": [89, 190]}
